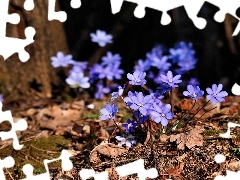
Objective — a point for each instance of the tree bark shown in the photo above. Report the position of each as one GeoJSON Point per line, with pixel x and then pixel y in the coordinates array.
{"type": "Point", "coordinates": [15, 76]}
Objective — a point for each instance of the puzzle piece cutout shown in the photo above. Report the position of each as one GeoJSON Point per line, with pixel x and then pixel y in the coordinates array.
{"type": "Point", "coordinates": [192, 9]}
{"type": "Point", "coordinates": [20, 125]}
{"type": "Point", "coordinates": [228, 133]}
{"type": "Point", "coordinates": [236, 89]}
{"type": "Point", "coordinates": [136, 167]}
{"type": "Point", "coordinates": [52, 14]}
{"type": "Point", "coordinates": [230, 7]}
{"type": "Point", "coordinates": [219, 158]}
{"type": "Point", "coordinates": [66, 166]}
{"type": "Point", "coordinates": [7, 162]}
{"type": "Point", "coordinates": [8, 45]}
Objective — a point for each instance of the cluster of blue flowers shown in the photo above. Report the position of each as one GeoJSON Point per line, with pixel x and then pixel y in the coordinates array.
{"type": "Point", "coordinates": [99, 74]}
{"type": "Point", "coordinates": [159, 60]}
{"type": "Point", "coordinates": [76, 76]}
{"type": "Point", "coordinates": [180, 60]}
{"type": "Point", "coordinates": [107, 70]}
{"type": "Point", "coordinates": [150, 107]}
{"type": "Point", "coordinates": [165, 67]}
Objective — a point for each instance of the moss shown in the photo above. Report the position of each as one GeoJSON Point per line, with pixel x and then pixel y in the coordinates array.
{"type": "Point", "coordinates": [211, 132]}
{"type": "Point", "coordinates": [67, 97]}
{"type": "Point", "coordinates": [234, 118]}
{"type": "Point", "coordinates": [237, 137]}
{"type": "Point", "coordinates": [236, 151]}
{"type": "Point", "coordinates": [91, 116]}
{"type": "Point", "coordinates": [34, 152]}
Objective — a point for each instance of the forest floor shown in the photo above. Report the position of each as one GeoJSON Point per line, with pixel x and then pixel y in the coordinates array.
{"type": "Point", "coordinates": [187, 153]}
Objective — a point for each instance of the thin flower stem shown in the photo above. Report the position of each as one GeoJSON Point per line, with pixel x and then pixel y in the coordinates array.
{"type": "Point", "coordinates": [196, 113]}
{"type": "Point", "coordinates": [118, 126]}
{"type": "Point", "coordinates": [170, 97]}
{"type": "Point", "coordinates": [189, 110]}
{"type": "Point", "coordinates": [207, 112]}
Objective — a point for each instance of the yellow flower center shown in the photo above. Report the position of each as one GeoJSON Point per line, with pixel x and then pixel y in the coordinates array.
{"type": "Point", "coordinates": [137, 80]}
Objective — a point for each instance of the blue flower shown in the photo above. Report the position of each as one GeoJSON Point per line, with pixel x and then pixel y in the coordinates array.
{"type": "Point", "coordinates": [139, 102]}
{"type": "Point", "coordinates": [101, 90]}
{"type": "Point", "coordinates": [117, 94]}
{"type": "Point", "coordinates": [128, 141]}
{"type": "Point", "coordinates": [142, 65]}
{"type": "Point", "coordinates": [156, 96]}
{"type": "Point", "coordinates": [79, 66]}
{"type": "Point", "coordinates": [161, 113]}
{"type": "Point", "coordinates": [110, 58]}
{"type": "Point", "coordinates": [117, 73]}
{"type": "Point", "coordinates": [137, 78]}
{"type": "Point", "coordinates": [94, 71]}
{"type": "Point", "coordinates": [215, 94]}
{"type": "Point", "coordinates": [170, 80]}
{"type": "Point", "coordinates": [181, 51]}
{"type": "Point", "coordinates": [188, 63]}
{"type": "Point", "coordinates": [1, 98]}
{"type": "Point", "coordinates": [142, 118]}
{"type": "Point", "coordinates": [161, 63]}
{"type": "Point", "coordinates": [193, 81]}
{"type": "Point", "coordinates": [164, 87]}
{"type": "Point", "coordinates": [130, 125]}
{"type": "Point", "coordinates": [128, 100]}
{"type": "Point", "coordinates": [106, 72]}
{"type": "Point", "coordinates": [109, 112]}
{"type": "Point", "coordinates": [61, 60]}
{"type": "Point", "coordinates": [78, 79]}
{"type": "Point", "coordinates": [101, 37]}
{"type": "Point", "coordinates": [193, 92]}
{"type": "Point", "coordinates": [156, 54]}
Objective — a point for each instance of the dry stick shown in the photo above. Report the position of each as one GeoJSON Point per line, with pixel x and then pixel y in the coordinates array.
{"type": "Point", "coordinates": [9, 173]}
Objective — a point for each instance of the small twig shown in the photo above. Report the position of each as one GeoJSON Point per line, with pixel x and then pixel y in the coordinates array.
{"type": "Point", "coordinates": [48, 151]}
{"type": "Point", "coordinates": [9, 173]}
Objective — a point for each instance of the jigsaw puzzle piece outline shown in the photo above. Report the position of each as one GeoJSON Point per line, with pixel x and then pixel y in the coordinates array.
{"type": "Point", "coordinates": [138, 168]}
{"type": "Point", "coordinates": [192, 9]}
{"type": "Point", "coordinates": [8, 45]}
{"type": "Point", "coordinates": [20, 125]}
{"type": "Point", "coordinates": [7, 162]}
{"type": "Point", "coordinates": [66, 164]}
{"type": "Point", "coordinates": [227, 7]}
{"type": "Point", "coordinates": [75, 4]}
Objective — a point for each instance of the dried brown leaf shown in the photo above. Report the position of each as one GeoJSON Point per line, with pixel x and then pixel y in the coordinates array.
{"type": "Point", "coordinates": [190, 139]}
{"type": "Point", "coordinates": [107, 149]}
{"type": "Point", "coordinates": [176, 171]}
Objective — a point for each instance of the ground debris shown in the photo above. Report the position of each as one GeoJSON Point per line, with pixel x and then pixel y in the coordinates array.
{"type": "Point", "coordinates": [190, 139]}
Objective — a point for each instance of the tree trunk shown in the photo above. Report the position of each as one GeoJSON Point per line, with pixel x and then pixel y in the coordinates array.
{"type": "Point", "coordinates": [15, 76]}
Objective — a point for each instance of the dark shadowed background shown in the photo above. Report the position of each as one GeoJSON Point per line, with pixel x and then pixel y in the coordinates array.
{"type": "Point", "coordinates": [217, 54]}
